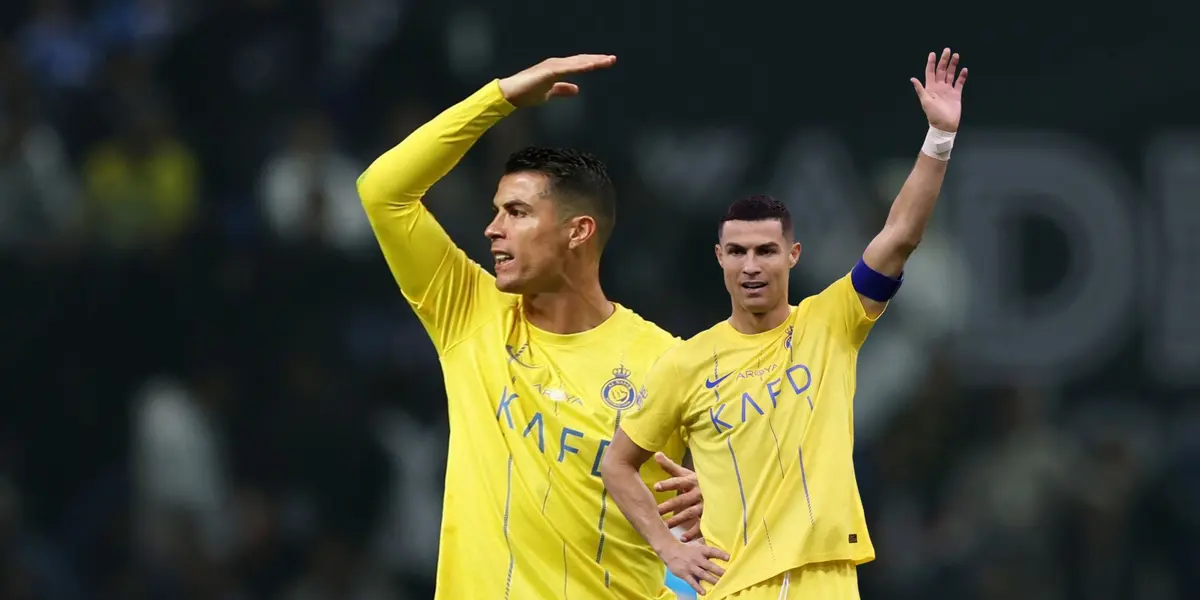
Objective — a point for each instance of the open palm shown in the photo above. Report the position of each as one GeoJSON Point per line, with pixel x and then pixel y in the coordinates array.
{"type": "Point", "coordinates": [941, 96]}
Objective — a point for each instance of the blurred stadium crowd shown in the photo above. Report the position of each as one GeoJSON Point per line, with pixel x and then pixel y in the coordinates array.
{"type": "Point", "coordinates": [212, 389]}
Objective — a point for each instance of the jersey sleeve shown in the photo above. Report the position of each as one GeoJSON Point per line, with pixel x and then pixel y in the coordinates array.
{"type": "Point", "coordinates": [840, 307]}
{"type": "Point", "coordinates": [660, 418]}
{"type": "Point", "coordinates": [449, 292]}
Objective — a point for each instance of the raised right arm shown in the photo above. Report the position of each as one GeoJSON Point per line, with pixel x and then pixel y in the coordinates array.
{"type": "Point", "coordinates": [445, 288]}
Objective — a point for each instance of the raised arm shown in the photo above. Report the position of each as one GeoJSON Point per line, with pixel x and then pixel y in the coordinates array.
{"type": "Point", "coordinates": [444, 287]}
{"type": "Point", "coordinates": [886, 255]}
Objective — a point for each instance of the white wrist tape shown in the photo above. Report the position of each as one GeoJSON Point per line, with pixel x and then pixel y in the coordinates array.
{"type": "Point", "coordinates": [938, 144]}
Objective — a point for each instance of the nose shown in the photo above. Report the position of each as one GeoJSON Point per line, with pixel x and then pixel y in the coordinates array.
{"type": "Point", "coordinates": [493, 231]}
{"type": "Point", "coordinates": [750, 268]}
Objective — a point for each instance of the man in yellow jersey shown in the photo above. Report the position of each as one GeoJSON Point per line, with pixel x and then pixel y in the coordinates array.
{"type": "Point", "coordinates": [767, 396]}
{"type": "Point", "coordinates": [539, 365]}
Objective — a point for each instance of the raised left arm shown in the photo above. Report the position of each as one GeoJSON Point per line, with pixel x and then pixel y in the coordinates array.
{"type": "Point", "coordinates": [886, 255]}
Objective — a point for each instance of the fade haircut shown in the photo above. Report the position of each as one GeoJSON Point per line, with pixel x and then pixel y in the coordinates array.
{"type": "Point", "coordinates": [578, 181]}
{"type": "Point", "coordinates": [759, 207]}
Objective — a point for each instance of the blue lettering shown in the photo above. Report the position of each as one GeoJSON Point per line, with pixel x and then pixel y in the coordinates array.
{"type": "Point", "coordinates": [505, 400]}
{"type": "Point", "coordinates": [599, 456]}
{"type": "Point", "coordinates": [807, 378]}
{"type": "Point", "coordinates": [716, 419]}
{"type": "Point", "coordinates": [773, 393]}
{"type": "Point", "coordinates": [563, 447]}
{"type": "Point", "coordinates": [537, 419]}
{"type": "Point", "coordinates": [746, 398]}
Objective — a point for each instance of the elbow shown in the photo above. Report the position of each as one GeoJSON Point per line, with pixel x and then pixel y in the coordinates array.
{"type": "Point", "coordinates": [612, 468]}
{"type": "Point", "coordinates": [903, 238]}
{"type": "Point", "coordinates": [607, 468]}
{"type": "Point", "coordinates": [906, 246]}
{"type": "Point", "coordinates": [364, 193]}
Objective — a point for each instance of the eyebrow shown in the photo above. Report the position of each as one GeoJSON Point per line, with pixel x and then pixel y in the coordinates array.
{"type": "Point", "coordinates": [515, 202]}
{"type": "Point", "coordinates": [764, 246]}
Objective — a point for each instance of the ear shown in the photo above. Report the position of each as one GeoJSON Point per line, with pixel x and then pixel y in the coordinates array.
{"type": "Point", "coordinates": [719, 253]}
{"type": "Point", "coordinates": [579, 230]}
{"type": "Point", "coordinates": [794, 255]}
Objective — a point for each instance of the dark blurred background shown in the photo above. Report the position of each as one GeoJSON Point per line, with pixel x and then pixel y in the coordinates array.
{"type": "Point", "coordinates": [211, 388]}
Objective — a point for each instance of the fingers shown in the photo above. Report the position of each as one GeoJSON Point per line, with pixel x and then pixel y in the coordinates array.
{"type": "Point", "coordinates": [678, 484]}
{"type": "Point", "coordinates": [563, 90]}
{"type": "Point", "coordinates": [671, 467]}
{"type": "Point", "coordinates": [676, 504]}
{"type": "Point", "coordinates": [930, 67]}
{"type": "Point", "coordinates": [718, 554]}
{"type": "Point", "coordinates": [680, 502]}
{"type": "Point", "coordinates": [580, 63]}
{"type": "Point", "coordinates": [691, 534]}
{"type": "Point", "coordinates": [942, 64]}
{"type": "Point", "coordinates": [695, 564]}
{"type": "Point", "coordinates": [705, 572]}
{"type": "Point", "coordinates": [962, 78]}
{"type": "Point", "coordinates": [684, 516]}
{"type": "Point", "coordinates": [952, 68]}
{"type": "Point", "coordinates": [921, 93]}
{"type": "Point", "coordinates": [692, 581]}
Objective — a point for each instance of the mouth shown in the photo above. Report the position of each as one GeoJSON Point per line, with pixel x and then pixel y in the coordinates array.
{"type": "Point", "coordinates": [502, 258]}
{"type": "Point", "coordinates": [753, 285]}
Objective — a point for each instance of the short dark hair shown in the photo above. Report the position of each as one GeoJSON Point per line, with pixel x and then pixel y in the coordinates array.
{"type": "Point", "coordinates": [759, 207]}
{"type": "Point", "coordinates": [578, 180]}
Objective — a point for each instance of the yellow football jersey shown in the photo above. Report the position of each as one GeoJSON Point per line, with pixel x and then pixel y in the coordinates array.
{"type": "Point", "coordinates": [770, 423]}
{"type": "Point", "coordinates": [525, 514]}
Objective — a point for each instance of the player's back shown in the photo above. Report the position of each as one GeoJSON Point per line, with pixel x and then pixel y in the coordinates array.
{"type": "Point", "coordinates": [531, 412]}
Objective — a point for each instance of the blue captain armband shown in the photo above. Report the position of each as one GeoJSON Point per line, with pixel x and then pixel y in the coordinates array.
{"type": "Point", "coordinates": [873, 284]}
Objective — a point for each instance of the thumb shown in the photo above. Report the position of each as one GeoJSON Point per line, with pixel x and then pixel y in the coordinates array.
{"type": "Point", "coordinates": [921, 93]}
{"type": "Point", "coordinates": [563, 90]}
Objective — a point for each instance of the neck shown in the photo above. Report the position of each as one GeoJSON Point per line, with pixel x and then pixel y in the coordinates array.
{"type": "Point", "coordinates": [750, 323]}
{"type": "Point", "coordinates": [573, 309]}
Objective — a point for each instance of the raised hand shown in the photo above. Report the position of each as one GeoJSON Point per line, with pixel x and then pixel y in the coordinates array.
{"type": "Point", "coordinates": [544, 80]}
{"type": "Point", "coordinates": [687, 506]}
{"type": "Point", "coordinates": [941, 96]}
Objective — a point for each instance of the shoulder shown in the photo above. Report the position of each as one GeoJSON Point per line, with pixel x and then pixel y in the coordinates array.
{"type": "Point", "coordinates": [694, 352]}
{"type": "Point", "coordinates": [646, 334]}
{"type": "Point", "coordinates": [707, 341]}
{"type": "Point", "coordinates": [839, 289]}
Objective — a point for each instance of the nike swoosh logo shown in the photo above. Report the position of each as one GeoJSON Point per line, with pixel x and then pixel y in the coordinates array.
{"type": "Point", "coordinates": [514, 356]}
{"type": "Point", "coordinates": [710, 384]}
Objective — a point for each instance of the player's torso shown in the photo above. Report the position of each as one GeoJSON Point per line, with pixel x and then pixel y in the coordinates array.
{"type": "Point", "coordinates": [531, 415]}
{"type": "Point", "coordinates": [771, 431]}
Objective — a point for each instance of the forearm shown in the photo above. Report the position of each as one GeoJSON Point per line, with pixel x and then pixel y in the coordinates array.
{"type": "Point", "coordinates": [908, 217]}
{"type": "Point", "coordinates": [402, 175]}
{"type": "Point", "coordinates": [637, 503]}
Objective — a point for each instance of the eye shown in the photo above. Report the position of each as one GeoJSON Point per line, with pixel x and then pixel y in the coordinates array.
{"type": "Point", "coordinates": [736, 251]}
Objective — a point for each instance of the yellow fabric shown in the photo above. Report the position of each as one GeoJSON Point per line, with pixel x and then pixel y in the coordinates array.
{"type": "Point", "coordinates": [770, 423]}
{"type": "Point", "coordinates": [525, 514]}
{"type": "Point", "coordinates": [820, 581]}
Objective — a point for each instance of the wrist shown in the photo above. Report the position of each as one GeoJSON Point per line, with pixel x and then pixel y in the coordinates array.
{"type": "Point", "coordinates": [938, 144]}
{"type": "Point", "coordinates": [663, 542]}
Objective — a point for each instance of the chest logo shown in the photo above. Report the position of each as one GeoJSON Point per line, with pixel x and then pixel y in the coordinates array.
{"type": "Point", "coordinates": [557, 394]}
{"type": "Point", "coordinates": [514, 356]}
{"type": "Point", "coordinates": [711, 383]}
{"type": "Point", "coordinates": [619, 393]}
